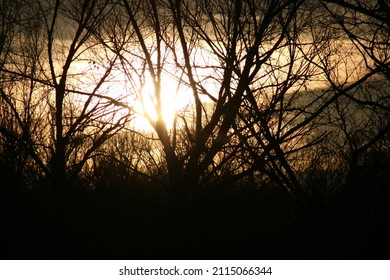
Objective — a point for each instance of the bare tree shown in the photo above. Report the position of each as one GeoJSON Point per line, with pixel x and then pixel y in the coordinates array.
{"type": "Point", "coordinates": [363, 111]}
{"type": "Point", "coordinates": [21, 118]}
{"type": "Point", "coordinates": [243, 70]}
{"type": "Point", "coordinates": [71, 93]}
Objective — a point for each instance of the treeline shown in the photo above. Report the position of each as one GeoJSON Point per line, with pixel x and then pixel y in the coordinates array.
{"type": "Point", "coordinates": [283, 143]}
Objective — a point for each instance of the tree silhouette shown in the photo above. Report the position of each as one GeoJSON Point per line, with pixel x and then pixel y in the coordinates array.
{"type": "Point", "coordinates": [56, 86]}
{"type": "Point", "coordinates": [237, 43]}
{"type": "Point", "coordinates": [363, 110]}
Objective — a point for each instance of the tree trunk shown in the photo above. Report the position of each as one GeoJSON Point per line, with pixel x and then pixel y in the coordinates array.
{"type": "Point", "coordinates": [59, 161]}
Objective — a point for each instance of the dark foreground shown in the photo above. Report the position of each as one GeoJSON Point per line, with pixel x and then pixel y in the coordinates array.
{"type": "Point", "coordinates": [250, 224]}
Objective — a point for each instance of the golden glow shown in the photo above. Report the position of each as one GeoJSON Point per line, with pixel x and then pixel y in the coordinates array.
{"type": "Point", "coordinates": [132, 85]}
{"type": "Point", "coordinates": [174, 97]}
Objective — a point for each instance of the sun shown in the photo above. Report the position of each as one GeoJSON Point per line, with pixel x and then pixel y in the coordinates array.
{"type": "Point", "coordinates": [175, 97]}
